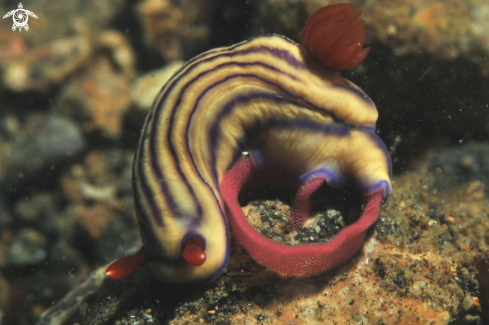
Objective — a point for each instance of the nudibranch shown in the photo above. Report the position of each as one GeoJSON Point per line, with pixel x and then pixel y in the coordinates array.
{"type": "Point", "coordinates": [288, 106]}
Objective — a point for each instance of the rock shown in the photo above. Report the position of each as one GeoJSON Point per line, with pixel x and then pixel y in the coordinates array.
{"type": "Point", "coordinates": [64, 256]}
{"type": "Point", "coordinates": [4, 295]}
{"type": "Point", "coordinates": [45, 66]}
{"type": "Point", "coordinates": [145, 88]}
{"type": "Point", "coordinates": [483, 278]}
{"type": "Point", "coordinates": [395, 278]}
{"type": "Point", "coordinates": [70, 305]}
{"type": "Point", "coordinates": [60, 19]}
{"type": "Point", "coordinates": [28, 248]}
{"type": "Point", "coordinates": [98, 98]}
{"type": "Point", "coordinates": [176, 29]}
{"type": "Point", "coordinates": [103, 176]}
{"type": "Point", "coordinates": [471, 304]}
{"type": "Point", "coordinates": [43, 142]}
{"type": "Point", "coordinates": [445, 29]}
{"type": "Point", "coordinates": [5, 215]}
{"type": "Point", "coordinates": [9, 125]}
{"type": "Point", "coordinates": [40, 210]}
{"type": "Point", "coordinates": [100, 213]}
{"type": "Point", "coordinates": [11, 44]}
{"type": "Point", "coordinates": [472, 320]}
{"type": "Point", "coordinates": [461, 164]}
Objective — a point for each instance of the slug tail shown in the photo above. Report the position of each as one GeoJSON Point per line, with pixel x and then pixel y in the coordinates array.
{"type": "Point", "coordinates": [334, 35]}
{"type": "Point", "coordinates": [123, 267]}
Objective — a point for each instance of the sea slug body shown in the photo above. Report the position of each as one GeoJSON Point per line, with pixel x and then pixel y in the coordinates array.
{"type": "Point", "coordinates": [288, 106]}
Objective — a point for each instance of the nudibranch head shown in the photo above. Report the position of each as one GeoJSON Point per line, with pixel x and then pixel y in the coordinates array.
{"type": "Point", "coordinates": [334, 36]}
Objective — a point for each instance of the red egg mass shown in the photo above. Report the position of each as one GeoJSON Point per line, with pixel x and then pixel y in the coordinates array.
{"type": "Point", "coordinates": [298, 260]}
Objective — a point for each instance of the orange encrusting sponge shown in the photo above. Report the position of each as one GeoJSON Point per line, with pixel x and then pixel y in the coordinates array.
{"type": "Point", "coordinates": [334, 36]}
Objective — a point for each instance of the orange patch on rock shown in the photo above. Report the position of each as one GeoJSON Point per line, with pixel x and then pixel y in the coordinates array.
{"type": "Point", "coordinates": [95, 219]}
{"type": "Point", "coordinates": [106, 98]}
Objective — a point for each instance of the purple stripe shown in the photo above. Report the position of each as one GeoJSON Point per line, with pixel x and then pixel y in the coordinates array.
{"type": "Point", "coordinates": [222, 51]}
{"type": "Point", "coordinates": [377, 186]}
{"type": "Point", "coordinates": [332, 179]}
{"type": "Point", "coordinates": [279, 53]}
{"type": "Point", "coordinates": [329, 129]}
{"type": "Point", "coordinates": [204, 92]}
{"type": "Point", "coordinates": [255, 155]}
{"type": "Point", "coordinates": [191, 233]}
{"type": "Point", "coordinates": [154, 165]}
{"type": "Point", "coordinates": [194, 109]}
{"type": "Point", "coordinates": [292, 124]}
{"type": "Point", "coordinates": [154, 162]}
{"type": "Point", "coordinates": [215, 130]}
{"type": "Point", "coordinates": [142, 179]}
{"type": "Point", "coordinates": [228, 108]}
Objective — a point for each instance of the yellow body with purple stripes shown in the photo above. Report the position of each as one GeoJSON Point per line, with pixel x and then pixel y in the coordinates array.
{"type": "Point", "coordinates": [268, 96]}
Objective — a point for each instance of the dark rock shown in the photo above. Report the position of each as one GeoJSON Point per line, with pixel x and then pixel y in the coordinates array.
{"type": "Point", "coordinates": [43, 143]}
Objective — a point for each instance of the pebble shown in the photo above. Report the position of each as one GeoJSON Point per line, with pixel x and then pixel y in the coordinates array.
{"type": "Point", "coordinates": [43, 142]}
{"type": "Point", "coordinates": [462, 164]}
{"type": "Point", "coordinates": [98, 98]}
{"type": "Point", "coordinates": [45, 66]}
{"type": "Point", "coordinates": [28, 248]}
{"type": "Point", "coordinates": [175, 29]}
{"type": "Point", "coordinates": [145, 88]}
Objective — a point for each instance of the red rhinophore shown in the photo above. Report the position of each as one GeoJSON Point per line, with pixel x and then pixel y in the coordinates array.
{"type": "Point", "coordinates": [126, 265]}
{"type": "Point", "coordinates": [193, 252]}
{"type": "Point", "coordinates": [299, 260]}
{"type": "Point", "coordinates": [334, 36]}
